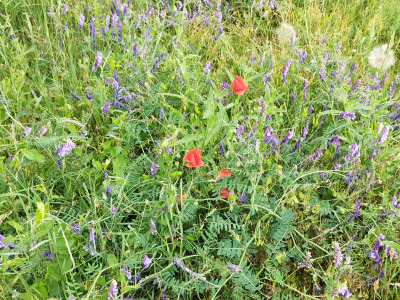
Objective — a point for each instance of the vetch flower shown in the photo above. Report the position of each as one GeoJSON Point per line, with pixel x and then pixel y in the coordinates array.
{"type": "Point", "coordinates": [112, 294]}
{"type": "Point", "coordinates": [192, 274]}
{"type": "Point", "coordinates": [47, 254]}
{"type": "Point", "coordinates": [64, 11]}
{"type": "Point", "coordinates": [146, 262]}
{"type": "Point", "coordinates": [285, 70]}
{"type": "Point", "coordinates": [238, 85]}
{"type": "Point", "coordinates": [243, 198]}
{"type": "Point", "coordinates": [153, 169]}
{"type": "Point", "coordinates": [194, 159]}
{"type": "Point", "coordinates": [234, 268]}
{"type": "Point", "coordinates": [305, 263]}
{"type": "Point", "coordinates": [337, 255]}
{"type": "Point", "coordinates": [75, 227]}
{"type": "Point", "coordinates": [153, 228]}
{"type": "Point", "coordinates": [381, 57]}
{"type": "Point", "coordinates": [65, 149]}
{"type": "Point", "coordinates": [342, 291]}
{"type": "Point", "coordinates": [27, 131]}
{"type": "Point", "coordinates": [105, 108]}
{"type": "Point", "coordinates": [81, 20]}
{"type": "Point", "coordinates": [288, 137]}
{"type": "Point", "coordinates": [347, 115]}
{"type": "Point", "coordinates": [286, 33]}
{"type": "Point", "coordinates": [127, 273]}
{"type": "Point", "coordinates": [97, 62]}
{"type": "Point", "coordinates": [113, 210]}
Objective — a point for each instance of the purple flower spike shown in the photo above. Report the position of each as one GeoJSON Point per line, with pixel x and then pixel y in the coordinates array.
{"type": "Point", "coordinates": [112, 294]}
{"type": "Point", "coordinates": [65, 9]}
{"type": "Point", "coordinates": [234, 268]}
{"type": "Point", "coordinates": [146, 262]}
{"type": "Point", "coordinates": [285, 71]}
{"type": "Point", "coordinates": [81, 20]}
{"type": "Point", "coordinates": [337, 255]}
{"type": "Point", "coordinates": [66, 148]}
{"type": "Point", "coordinates": [305, 263]}
{"type": "Point", "coordinates": [27, 131]}
{"type": "Point", "coordinates": [105, 108]}
{"type": "Point", "coordinates": [243, 198]}
{"type": "Point", "coordinates": [153, 228]}
{"type": "Point", "coordinates": [347, 115]}
{"type": "Point", "coordinates": [288, 137]}
{"type": "Point", "coordinates": [127, 273]}
{"type": "Point", "coordinates": [75, 227]}
{"type": "Point", "coordinates": [97, 62]}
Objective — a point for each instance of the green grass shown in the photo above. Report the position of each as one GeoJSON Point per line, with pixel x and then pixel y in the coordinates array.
{"type": "Point", "coordinates": [290, 208]}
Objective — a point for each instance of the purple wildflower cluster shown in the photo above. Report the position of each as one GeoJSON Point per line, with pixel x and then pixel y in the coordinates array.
{"type": "Point", "coordinates": [177, 262]}
{"type": "Point", "coordinates": [234, 268]}
{"type": "Point", "coordinates": [347, 115]}
{"type": "Point", "coordinates": [305, 263]}
{"type": "Point", "coordinates": [65, 148]}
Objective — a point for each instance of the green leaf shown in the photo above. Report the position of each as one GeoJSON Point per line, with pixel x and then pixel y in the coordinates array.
{"type": "Point", "coordinates": [252, 78]}
{"type": "Point", "coordinates": [112, 260]}
{"type": "Point", "coordinates": [97, 165]}
{"type": "Point", "coordinates": [189, 138]}
{"type": "Point", "coordinates": [17, 226]}
{"type": "Point", "coordinates": [392, 245]}
{"type": "Point", "coordinates": [33, 155]}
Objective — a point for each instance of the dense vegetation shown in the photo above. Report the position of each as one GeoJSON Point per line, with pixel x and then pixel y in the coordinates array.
{"type": "Point", "coordinates": [292, 193]}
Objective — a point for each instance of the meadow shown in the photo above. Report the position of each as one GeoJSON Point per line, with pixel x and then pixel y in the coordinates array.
{"type": "Point", "coordinates": [199, 149]}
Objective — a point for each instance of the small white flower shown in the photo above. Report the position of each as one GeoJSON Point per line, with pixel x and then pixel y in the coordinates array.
{"type": "Point", "coordinates": [286, 33]}
{"type": "Point", "coordinates": [381, 57]}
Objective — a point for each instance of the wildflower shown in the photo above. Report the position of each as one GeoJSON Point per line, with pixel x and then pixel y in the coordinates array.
{"type": "Point", "coordinates": [322, 73]}
{"type": "Point", "coordinates": [286, 33]}
{"type": "Point", "coordinates": [207, 67]}
{"type": "Point", "coordinates": [105, 108]}
{"type": "Point", "coordinates": [288, 137]}
{"type": "Point", "coordinates": [383, 136]}
{"type": "Point", "coordinates": [65, 149]}
{"type": "Point", "coordinates": [192, 274]}
{"type": "Point", "coordinates": [81, 20]}
{"type": "Point", "coordinates": [238, 85]}
{"type": "Point", "coordinates": [194, 159]}
{"type": "Point", "coordinates": [224, 193]}
{"type": "Point", "coordinates": [221, 147]}
{"type": "Point", "coordinates": [315, 156]}
{"type": "Point", "coordinates": [272, 4]}
{"type": "Point", "coordinates": [113, 290]}
{"type": "Point", "coordinates": [47, 254]}
{"type": "Point", "coordinates": [337, 255]}
{"type": "Point", "coordinates": [127, 273]}
{"type": "Point", "coordinates": [153, 169]}
{"type": "Point", "coordinates": [27, 131]}
{"type": "Point", "coordinates": [285, 70]}
{"type": "Point", "coordinates": [381, 57]}
{"type": "Point", "coordinates": [6, 245]}
{"type": "Point", "coordinates": [161, 115]}
{"type": "Point", "coordinates": [347, 115]}
{"type": "Point", "coordinates": [342, 291]}
{"type": "Point", "coordinates": [113, 210]}
{"type": "Point", "coordinates": [243, 198]}
{"type": "Point", "coordinates": [234, 268]}
{"type": "Point", "coordinates": [108, 191]}
{"type": "Point", "coordinates": [75, 227]}
{"type": "Point", "coordinates": [146, 262]}
{"type": "Point", "coordinates": [305, 263]}
{"type": "Point", "coordinates": [97, 62]}
{"type": "Point", "coordinates": [356, 211]}
{"type": "Point", "coordinates": [153, 228]}
{"type": "Point", "coordinates": [224, 173]}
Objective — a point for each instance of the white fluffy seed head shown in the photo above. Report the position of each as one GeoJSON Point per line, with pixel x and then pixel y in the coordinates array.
{"type": "Point", "coordinates": [381, 57]}
{"type": "Point", "coordinates": [286, 33]}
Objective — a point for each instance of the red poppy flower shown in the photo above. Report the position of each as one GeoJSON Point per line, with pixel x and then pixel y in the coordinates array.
{"type": "Point", "coordinates": [224, 173]}
{"type": "Point", "coordinates": [238, 85]}
{"type": "Point", "coordinates": [224, 193]}
{"type": "Point", "coordinates": [193, 157]}
{"type": "Point", "coordinates": [179, 202]}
